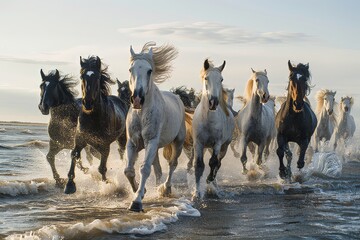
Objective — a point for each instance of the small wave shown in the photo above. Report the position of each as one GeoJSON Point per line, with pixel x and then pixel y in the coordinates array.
{"type": "Point", "coordinates": [26, 131]}
{"type": "Point", "coordinates": [2, 130]}
{"type": "Point", "coordinates": [33, 143]}
{"type": "Point", "coordinates": [146, 223]}
{"type": "Point", "coordinates": [5, 147]}
{"type": "Point", "coordinates": [16, 188]}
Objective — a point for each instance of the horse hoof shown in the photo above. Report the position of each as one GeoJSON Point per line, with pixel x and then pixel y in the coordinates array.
{"type": "Point", "coordinates": [136, 207]}
{"type": "Point", "coordinates": [282, 174]}
{"type": "Point", "coordinates": [300, 165]}
{"type": "Point", "coordinates": [196, 197]}
{"type": "Point", "coordinates": [245, 171]}
{"type": "Point", "coordinates": [70, 188]}
{"type": "Point", "coordinates": [209, 179]}
{"type": "Point", "coordinates": [60, 182]}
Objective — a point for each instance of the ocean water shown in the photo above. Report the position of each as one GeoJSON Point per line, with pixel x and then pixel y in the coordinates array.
{"type": "Point", "coordinates": [324, 202]}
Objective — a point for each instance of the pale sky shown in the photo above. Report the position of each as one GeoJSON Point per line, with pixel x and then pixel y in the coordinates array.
{"type": "Point", "coordinates": [262, 34]}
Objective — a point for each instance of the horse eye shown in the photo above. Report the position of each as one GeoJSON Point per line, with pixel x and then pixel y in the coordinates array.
{"type": "Point", "coordinates": [222, 79]}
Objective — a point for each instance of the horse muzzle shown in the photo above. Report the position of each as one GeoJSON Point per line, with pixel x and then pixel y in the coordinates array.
{"type": "Point", "coordinates": [298, 107]}
{"type": "Point", "coordinates": [137, 101]}
{"type": "Point", "coordinates": [44, 109]}
{"type": "Point", "coordinates": [213, 103]}
{"type": "Point", "coordinates": [346, 109]}
{"type": "Point", "coordinates": [330, 112]}
{"type": "Point", "coordinates": [87, 106]}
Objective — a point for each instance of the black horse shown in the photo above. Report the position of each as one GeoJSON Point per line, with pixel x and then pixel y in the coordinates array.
{"type": "Point", "coordinates": [295, 121]}
{"type": "Point", "coordinates": [124, 92]}
{"type": "Point", "coordinates": [102, 119]}
{"type": "Point", "coordinates": [57, 97]}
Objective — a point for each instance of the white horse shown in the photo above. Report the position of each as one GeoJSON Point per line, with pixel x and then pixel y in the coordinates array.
{"type": "Point", "coordinates": [212, 124]}
{"type": "Point", "coordinates": [155, 119]}
{"type": "Point", "coordinates": [345, 127]}
{"type": "Point", "coordinates": [256, 121]}
{"type": "Point", "coordinates": [325, 115]}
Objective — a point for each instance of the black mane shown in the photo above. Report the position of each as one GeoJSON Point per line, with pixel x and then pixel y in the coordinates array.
{"type": "Point", "coordinates": [186, 95]}
{"type": "Point", "coordinates": [91, 64]}
{"type": "Point", "coordinates": [303, 69]}
{"type": "Point", "coordinates": [66, 82]}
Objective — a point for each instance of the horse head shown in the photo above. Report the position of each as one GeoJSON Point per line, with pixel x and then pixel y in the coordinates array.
{"type": "Point", "coordinates": [124, 92]}
{"type": "Point", "coordinates": [346, 104]}
{"type": "Point", "coordinates": [90, 75]}
{"type": "Point", "coordinates": [212, 82]}
{"type": "Point", "coordinates": [141, 70]}
{"type": "Point", "coordinates": [298, 85]}
{"type": "Point", "coordinates": [260, 83]}
{"type": "Point", "coordinates": [329, 101]}
{"type": "Point", "coordinates": [48, 95]}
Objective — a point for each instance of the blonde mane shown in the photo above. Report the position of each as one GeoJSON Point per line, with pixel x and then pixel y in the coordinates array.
{"type": "Point", "coordinates": [250, 84]}
{"type": "Point", "coordinates": [223, 94]}
{"type": "Point", "coordinates": [320, 99]}
{"type": "Point", "coordinates": [160, 61]}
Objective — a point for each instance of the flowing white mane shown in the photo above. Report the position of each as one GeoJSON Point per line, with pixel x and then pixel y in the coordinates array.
{"type": "Point", "coordinates": [159, 61]}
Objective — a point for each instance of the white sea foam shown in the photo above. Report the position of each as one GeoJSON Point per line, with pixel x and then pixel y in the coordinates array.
{"type": "Point", "coordinates": [15, 188]}
{"type": "Point", "coordinates": [133, 223]}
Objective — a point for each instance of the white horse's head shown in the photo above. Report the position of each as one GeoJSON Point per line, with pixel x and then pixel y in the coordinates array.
{"type": "Point", "coordinates": [151, 65]}
{"type": "Point", "coordinates": [258, 85]}
{"type": "Point", "coordinates": [346, 104]}
{"type": "Point", "coordinates": [212, 83]}
{"type": "Point", "coordinates": [140, 76]}
{"type": "Point", "coordinates": [230, 96]}
{"type": "Point", "coordinates": [329, 101]}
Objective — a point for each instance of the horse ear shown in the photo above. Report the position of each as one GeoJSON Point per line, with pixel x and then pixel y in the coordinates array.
{"type": "Point", "coordinates": [206, 64]}
{"type": "Point", "coordinates": [42, 75]}
{"type": "Point", "coordinates": [132, 51]}
{"type": "Point", "coordinates": [98, 62]}
{"type": "Point", "coordinates": [151, 52]}
{"type": "Point", "coordinates": [57, 74]}
{"type": "Point", "coordinates": [222, 66]}
{"type": "Point", "coordinates": [253, 71]}
{"type": "Point", "coordinates": [307, 66]}
{"type": "Point", "coordinates": [290, 66]}
{"type": "Point", "coordinates": [81, 62]}
{"type": "Point", "coordinates": [118, 82]}
{"type": "Point", "coordinates": [342, 99]}
{"type": "Point", "coordinates": [265, 72]}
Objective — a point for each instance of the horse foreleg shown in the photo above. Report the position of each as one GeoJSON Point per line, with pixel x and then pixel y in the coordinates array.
{"type": "Point", "coordinates": [288, 154]}
{"type": "Point", "coordinates": [157, 169]}
{"type": "Point", "coordinates": [243, 155]}
{"type": "Point", "coordinates": [70, 187]}
{"type": "Point", "coordinates": [280, 152]}
{"type": "Point", "coordinates": [53, 150]}
{"type": "Point", "coordinates": [259, 154]}
{"type": "Point", "coordinates": [129, 171]}
{"type": "Point", "coordinates": [199, 169]}
{"type": "Point", "coordinates": [303, 147]}
{"type": "Point", "coordinates": [104, 156]}
{"type": "Point", "coordinates": [145, 169]}
{"type": "Point", "coordinates": [189, 152]}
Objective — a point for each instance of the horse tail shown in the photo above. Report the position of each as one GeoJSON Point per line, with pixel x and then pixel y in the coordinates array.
{"type": "Point", "coordinates": [167, 152]}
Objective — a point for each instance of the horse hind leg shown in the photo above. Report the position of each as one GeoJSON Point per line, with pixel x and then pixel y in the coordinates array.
{"type": "Point", "coordinates": [243, 157]}
{"type": "Point", "coordinates": [157, 169]}
{"type": "Point", "coordinates": [259, 154]}
{"type": "Point", "coordinates": [104, 156]}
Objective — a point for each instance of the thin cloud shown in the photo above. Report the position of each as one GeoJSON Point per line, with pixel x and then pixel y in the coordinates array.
{"type": "Point", "coordinates": [215, 33]}
{"type": "Point", "coordinates": [31, 61]}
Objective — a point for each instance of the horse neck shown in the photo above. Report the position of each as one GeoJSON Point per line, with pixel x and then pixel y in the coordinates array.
{"type": "Point", "coordinates": [344, 116]}
{"type": "Point", "coordinates": [65, 97]}
{"type": "Point", "coordinates": [324, 114]}
{"type": "Point", "coordinates": [64, 111]}
{"type": "Point", "coordinates": [152, 96]}
{"type": "Point", "coordinates": [255, 105]}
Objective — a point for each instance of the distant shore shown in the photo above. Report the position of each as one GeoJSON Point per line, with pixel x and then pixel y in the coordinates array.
{"type": "Point", "coordinates": [22, 123]}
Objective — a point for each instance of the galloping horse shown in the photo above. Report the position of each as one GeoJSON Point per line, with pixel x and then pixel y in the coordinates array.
{"type": "Point", "coordinates": [102, 119]}
{"type": "Point", "coordinates": [345, 127]}
{"type": "Point", "coordinates": [212, 124]}
{"type": "Point", "coordinates": [295, 121]}
{"type": "Point", "coordinates": [325, 115]}
{"type": "Point", "coordinates": [256, 121]}
{"type": "Point", "coordinates": [156, 119]}
{"type": "Point", "coordinates": [58, 99]}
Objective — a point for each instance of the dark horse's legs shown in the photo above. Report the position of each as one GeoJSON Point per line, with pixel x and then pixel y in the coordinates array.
{"type": "Point", "coordinates": [303, 146]}
{"type": "Point", "coordinates": [214, 166]}
{"type": "Point", "coordinates": [122, 145]}
{"type": "Point", "coordinates": [280, 152]}
{"type": "Point", "coordinates": [104, 156]}
{"type": "Point", "coordinates": [53, 150]}
{"type": "Point", "coordinates": [75, 155]}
